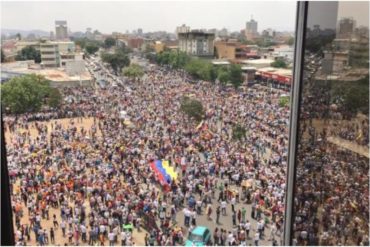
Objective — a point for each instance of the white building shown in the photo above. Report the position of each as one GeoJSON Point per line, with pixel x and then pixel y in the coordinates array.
{"type": "Point", "coordinates": [197, 43]}
{"type": "Point", "coordinates": [57, 53]}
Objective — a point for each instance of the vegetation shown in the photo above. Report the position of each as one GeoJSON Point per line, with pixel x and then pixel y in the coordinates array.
{"type": "Point", "coordinates": [239, 132]}
{"type": "Point", "coordinates": [193, 108]}
{"type": "Point", "coordinates": [134, 71]}
{"type": "Point", "coordinates": [117, 60]}
{"type": "Point", "coordinates": [28, 93]}
{"type": "Point", "coordinates": [352, 96]}
{"type": "Point", "coordinates": [235, 74]}
{"type": "Point", "coordinates": [279, 63]}
{"type": "Point", "coordinates": [199, 68]}
{"type": "Point", "coordinates": [290, 41]}
{"type": "Point", "coordinates": [91, 48]}
{"type": "Point", "coordinates": [29, 53]}
{"type": "Point", "coordinates": [109, 42]}
{"type": "Point", "coordinates": [284, 101]}
{"type": "Point", "coordinates": [84, 42]}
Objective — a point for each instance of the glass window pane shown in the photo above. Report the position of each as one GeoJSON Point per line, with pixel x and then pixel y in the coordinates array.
{"type": "Point", "coordinates": [331, 205]}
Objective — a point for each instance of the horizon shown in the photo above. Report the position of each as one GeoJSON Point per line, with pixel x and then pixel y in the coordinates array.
{"type": "Point", "coordinates": [129, 16]}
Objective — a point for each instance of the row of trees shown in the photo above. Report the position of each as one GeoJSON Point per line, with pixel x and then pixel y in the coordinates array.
{"type": "Point", "coordinates": [199, 68]}
{"type": "Point", "coordinates": [28, 93]}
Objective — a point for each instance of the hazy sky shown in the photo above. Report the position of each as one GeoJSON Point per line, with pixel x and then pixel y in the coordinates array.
{"type": "Point", "coordinates": [110, 16]}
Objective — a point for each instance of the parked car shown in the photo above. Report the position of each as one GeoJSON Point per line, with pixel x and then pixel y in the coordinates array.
{"type": "Point", "coordinates": [199, 236]}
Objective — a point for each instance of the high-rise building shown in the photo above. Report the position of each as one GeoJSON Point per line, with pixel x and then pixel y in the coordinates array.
{"type": "Point", "coordinates": [61, 30]}
{"type": "Point", "coordinates": [197, 43]}
{"type": "Point", "coordinates": [346, 28]}
{"type": "Point", "coordinates": [251, 30]}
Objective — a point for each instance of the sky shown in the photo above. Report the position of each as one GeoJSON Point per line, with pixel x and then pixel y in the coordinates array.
{"type": "Point", "coordinates": [119, 16]}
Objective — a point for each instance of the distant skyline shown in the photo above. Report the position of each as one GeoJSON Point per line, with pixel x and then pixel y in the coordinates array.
{"type": "Point", "coordinates": [114, 16]}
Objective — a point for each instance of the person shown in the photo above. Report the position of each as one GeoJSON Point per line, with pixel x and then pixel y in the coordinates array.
{"type": "Point", "coordinates": [111, 238]}
{"type": "Point", "coordinates": [247, 228]}
{"type": "Point", "coordinates": [63, 227]}
{"type": "Point", "coordinates": [234, 218]}
{"type": "Point", "coordinates": [223, 207]}
{"type": "Point", "coordinates": [123, 238]}
{"type": "Point", "coordinates": [52, 239]}
{"type": "Point", "coordinates": [256, 238]}
{"type": "Point", "coordinates": [218, 211]}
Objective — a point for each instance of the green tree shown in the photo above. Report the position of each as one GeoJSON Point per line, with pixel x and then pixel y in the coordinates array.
{"type": "Point", "coordinates": [18, 36]}
{"type": "Point", "coordinates": [91, 48]}
{"type": "Point", "coordinates": [29, 53]}
{"type": "Point", "coordinates": [236, 75]}
{"type": "Point", "coordinates": [290, 41]}
{"type": "Point", "coordinates": [283, 101]}
{"type": "Point", "coordinates": [2, 56]}
{"type": "Point", "coordinates": [223, 77]}
{"type": "Point", "coordinates": [54, 98]}
{"type": "Point", "coordinates": [134, 71]}
{"type": "Point", "coordinates": [109, 42]}
{"type": "Point", "coordinates": [239, 132]}
{"type": "Point", "coordinates": [279, 63]}
{"type": "Point", "coordinates": [25, 94]}
{"type": "Point", "coordinates": [117, 61]}
{"type": "Point", "coordinates": [199, 69]}
{"type": "Point", "coordinates": [193, 108]}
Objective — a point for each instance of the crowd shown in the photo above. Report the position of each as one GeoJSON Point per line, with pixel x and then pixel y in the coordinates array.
{"type": "Point", "coordinates": [331, 206]}
{"type": "Point", "coordinates": [95, 185]}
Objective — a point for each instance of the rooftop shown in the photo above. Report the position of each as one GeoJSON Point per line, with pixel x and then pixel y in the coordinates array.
{"type": "Point", "coordinates": [52, 74]}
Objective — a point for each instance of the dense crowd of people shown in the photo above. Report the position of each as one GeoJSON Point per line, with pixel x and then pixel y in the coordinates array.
{"type": "Point", "coordinates": [99, 180]}
{"type": "Point", "coordinates": [331, 206]}
{"type": "Point", "coordinates": [94, 185]}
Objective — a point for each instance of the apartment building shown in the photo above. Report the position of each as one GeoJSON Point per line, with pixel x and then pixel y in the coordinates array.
{"type": "Point", "coordinates": [197, 43]}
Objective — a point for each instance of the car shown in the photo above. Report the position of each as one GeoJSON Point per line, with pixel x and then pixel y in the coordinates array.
{"type": "Point", "coordinates": [199, 236]}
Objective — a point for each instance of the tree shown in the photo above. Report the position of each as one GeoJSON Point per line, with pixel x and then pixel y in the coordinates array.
{"type": "Point", "coordinates": [91, 48]}
{"type": "Point", "coordinates": [283, 101]}
{"type": "Point", "coordinates": [279, 63]}
{"type": "Point", "coordinates": [109, 42]}
{"type": "Point", "coordinates": [25, 94]}
{"type": "Point", "coordinates": [290, 41]}
{"type": "Point", "coordinates": [239, 132]}
{"type": "Point", "coordinates": [117, 61]}
{"type": "Point", "coordinates": [29, 53]}
{"type": "Point", "coordinates": [134, 71]}
{"type": "Point", "coordinates": [54, 98]}
{"type": "Point", "coordinates": [193, 108]}
{"type": "Point", "coordinates": [18, 36]}
{"type": "Point", "coordinates": [199, 69]}
{"type": "Point", "coordinates": [223, 77]}
{"type": "Point", "coordinates": [2, 56]}
{"type": "Point", "coordinates": [236, 75]}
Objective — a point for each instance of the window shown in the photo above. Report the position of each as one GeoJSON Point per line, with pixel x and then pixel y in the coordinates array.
{"type": "Point", "coordinates": [328, 181]}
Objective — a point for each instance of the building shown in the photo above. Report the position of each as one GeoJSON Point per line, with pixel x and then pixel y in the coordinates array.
{"type": "Point", "coordinates": [346, 28]}
{"type": "Point", "coordinates": [182, 29]}
{"type": "Point", "coordinates": [275, 77]}
{"type": "Point", "coordinates": [22, 44]}
{"type": "Point", "coordinates": [57, 53]}
{"type": "Point", "coordinates": [61, 30]}
{"type": "Point", "coordinates": [73, 75]}
{"type": "Point", "coordinates": [251, 30]}
{"type": "Point", "coordinates": [234, 50]}
{"type": "Point", "coordinates": [334, 62]}
{"type": "Point", "coordinates": [197, 43]}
